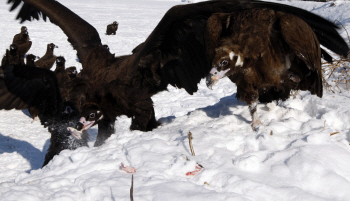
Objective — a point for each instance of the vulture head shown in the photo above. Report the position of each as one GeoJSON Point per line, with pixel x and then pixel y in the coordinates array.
{"type": "Point", "coordinates": [51, 46]}
{"type": "Point", "coordinates": [30, 59]}
{"type": "Point", "coordinates": [13, 49]}
{"type": "Point", "coordinates": [90, 116]}
{"type": "Point", "coordinates": [72, 72]}
{"type": "Point", "coordinates": [60, 61]}
{"type": "Point", "coordinates": [24, 30]}
{"type": "Point", "coordinates": [225, 62]}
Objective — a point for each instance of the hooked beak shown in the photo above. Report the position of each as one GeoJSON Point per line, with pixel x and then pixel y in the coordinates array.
{"type": "Point", "coordinates": [214, 76]}
{"type": "Point", "coordinates": [81, 126]}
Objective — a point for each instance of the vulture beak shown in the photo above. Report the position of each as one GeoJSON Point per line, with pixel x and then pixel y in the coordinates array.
{"type": "Point", "coordinates": [82, 125]}
{"type": "Point", "coordinates": [214, 76]}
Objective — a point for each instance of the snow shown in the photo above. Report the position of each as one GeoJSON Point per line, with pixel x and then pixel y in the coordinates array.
{"type": "Point", "coordinates": [293, 156]}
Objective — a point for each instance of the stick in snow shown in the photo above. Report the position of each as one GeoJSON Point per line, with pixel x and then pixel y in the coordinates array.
{"type": "Point", "coordinates": [132, 188]}
{"type": "Point", "coordinates": [190, 141]}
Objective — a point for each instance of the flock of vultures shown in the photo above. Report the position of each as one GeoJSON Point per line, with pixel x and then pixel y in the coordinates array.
{"type": "Point", "coordinates": [267, 49]}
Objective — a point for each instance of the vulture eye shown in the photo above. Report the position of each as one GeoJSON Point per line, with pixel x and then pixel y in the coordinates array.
{"type": "Point", "coordinates": [224, 63]}
{"type": "Point", "coordinates": [92, 115]}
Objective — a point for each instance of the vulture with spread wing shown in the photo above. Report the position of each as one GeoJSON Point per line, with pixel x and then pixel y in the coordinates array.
{"type": "Point", "coordinates": [182, 49]}
{"type": "Point", "coordinates": [23, 86]}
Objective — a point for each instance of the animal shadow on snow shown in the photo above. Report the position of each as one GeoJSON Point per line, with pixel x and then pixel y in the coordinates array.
{"type": "Point", "coordinates": [26, 112]}
{"type": "Point", "coordinates": [221, 108]}
{"type": "Point", "coordinates": [348, 136]}
{"type": "Point", "coordinates": [33, 155]}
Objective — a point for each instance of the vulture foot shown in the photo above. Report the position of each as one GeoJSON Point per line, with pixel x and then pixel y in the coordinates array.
{"type": "Point", "coordinates": [256, 124]}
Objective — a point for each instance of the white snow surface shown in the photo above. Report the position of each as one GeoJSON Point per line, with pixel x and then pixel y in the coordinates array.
{"type": "Point", "coordinates": [292, 157]}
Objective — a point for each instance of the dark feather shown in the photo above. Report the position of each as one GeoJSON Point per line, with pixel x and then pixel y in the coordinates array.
{"type": "Point", "coordinates": [326, 56]}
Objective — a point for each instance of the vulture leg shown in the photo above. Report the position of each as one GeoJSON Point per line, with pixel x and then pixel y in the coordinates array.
{"type": "Point", "coordinates": [105, 130]}
{"type": "Point", "coordinates": [250, 95]}
{"type": "Point", "coordinates": [35, 119]}
{"type": "Point", "coordinates": [153, 123]}
{"type": "Point", "coordinates": [144, 118]}
{"type": "Point", "coordinates": [255, 119]}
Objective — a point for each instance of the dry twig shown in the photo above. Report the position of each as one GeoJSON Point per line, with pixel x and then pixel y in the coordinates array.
{"type": "Point", "coordinates": [334, 133]}
{"type": "Point", "coordinates": [132, 188]}
{"type": "Point", "coordinates": [190, 141]}
{"type": "Point", "coordinates": [337, 72]}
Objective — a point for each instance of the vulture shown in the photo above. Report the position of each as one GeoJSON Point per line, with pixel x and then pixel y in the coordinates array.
{"type": "Point", "coordinates": [22, 41]}
{"type": "Point", "coordinates": [72, 72]}
{"type": "Point", "coordinates": [265, 53]}
{"type": "Point", "coordinates": [185, 47]}
{"type": "Point", "coordinates": [12, 56]}
{"type": "Point", "coordinates": [16, 92]}
{"type": "Point", "coordinates": [112, 28]}
{"type": "Point", "coordinates": [30, 59]}
{"type": "Point", "coordinates": [48, 59]}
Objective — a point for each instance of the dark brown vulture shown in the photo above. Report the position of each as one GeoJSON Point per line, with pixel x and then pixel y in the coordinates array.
{"type": "Point", "coordinates": [112, 28]}
{"type": "Point", "coordinates": [264, 51]}
{"type": "Point", "coordinates": [22, 41]}
{"type": "Point", "coordinates": [16, 92]}
{"type": "Point", "coordinates": [12, 56]}
{"type": "Point", "coordinates": [30, 59]}
{"type": "Point", "coordinates": [48, 60]}
{"type": "Point", "coordinates": [72, 72]}
{"type": "Point", "coordinates": [180, 51]}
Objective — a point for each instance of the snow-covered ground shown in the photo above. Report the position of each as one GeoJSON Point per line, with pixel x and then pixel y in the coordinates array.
{"type": "Point", "coordinates": [292, 157]}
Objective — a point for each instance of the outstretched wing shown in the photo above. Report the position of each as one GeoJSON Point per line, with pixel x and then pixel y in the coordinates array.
{"type": "Point", "coordinates": [24, 86]}
{"type": "Point", "coordinates": [81, 34]}
{"type": "Point", "coordinates": [178, 49]}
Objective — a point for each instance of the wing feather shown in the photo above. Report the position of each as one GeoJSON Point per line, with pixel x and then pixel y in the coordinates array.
{"type": "Point", "coordinates": [24, 86]}
{"type": "Point", "coordinates": [305, 44]}
{"type": "Point", "coordinates": [299, 40]}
